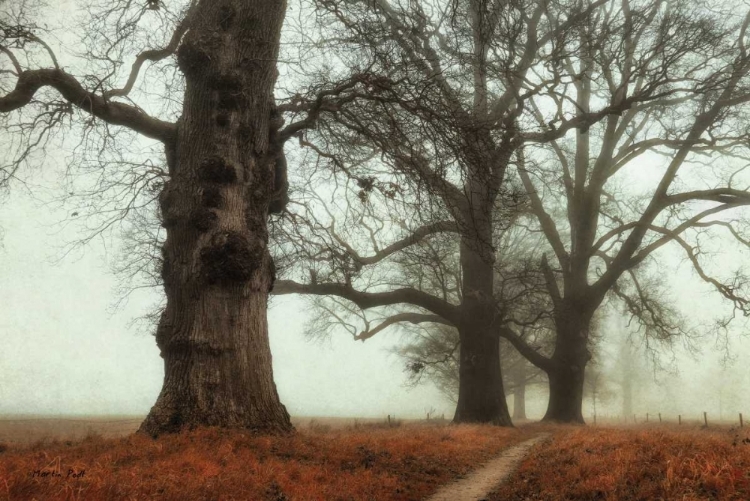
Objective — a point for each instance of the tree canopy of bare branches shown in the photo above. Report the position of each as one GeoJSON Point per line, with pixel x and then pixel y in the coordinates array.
{"type": "Point", "coordinates": [420, 116]}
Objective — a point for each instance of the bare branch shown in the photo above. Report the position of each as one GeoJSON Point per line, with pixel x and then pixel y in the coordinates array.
{"type": "Point", "coordinates": [30, 81]}
{"type": "Point", "coordinates": [367, 300]}
{"type": "Point", "coordinates": [412, 318]}
{"type": "Point", "coordinates": [529, 352]}
{"type": "Point", "coordinates": [416, 236]}
{"type": "Point", "coordinates": [154, 55]}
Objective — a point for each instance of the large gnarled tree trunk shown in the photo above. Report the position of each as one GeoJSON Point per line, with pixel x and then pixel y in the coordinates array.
{"type": "Point", "coordinates": [217, 271]}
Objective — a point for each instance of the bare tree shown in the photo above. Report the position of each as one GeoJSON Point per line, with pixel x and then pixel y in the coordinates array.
{"type": "Point", "coordinates": [692, 132]}
{"type": "Point", "coordinates": [209, 68]}
{"type": "Point", "coordinates": [443, 99]}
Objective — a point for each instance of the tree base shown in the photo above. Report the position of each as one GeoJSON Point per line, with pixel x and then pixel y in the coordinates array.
{"type": "Point", "coordinates": [565, 402]}
{"type": "Point", "coordinates": [496, 421]}
{"type": "Point", "coordinates": [566, 390]}
{"type": "Point", "coordinates": [483, 412]}
{"type": "Point", "coordinates": [563, 419]}
{"type": "Point", "coordinates": [169, 419]}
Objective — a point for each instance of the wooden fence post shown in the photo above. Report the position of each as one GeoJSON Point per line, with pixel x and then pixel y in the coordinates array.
{"type": "Point", "coordinates": [741, 423]}
{"type": "Point", "coordinates": [705, 418]}
{"type": "Point", "coordinates": [679, 419]}
{"type": "Point", "coordinates": [660, 417]}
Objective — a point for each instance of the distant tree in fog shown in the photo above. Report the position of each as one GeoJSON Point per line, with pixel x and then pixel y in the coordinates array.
{"type": "Point", "coordinates": [684, 147]}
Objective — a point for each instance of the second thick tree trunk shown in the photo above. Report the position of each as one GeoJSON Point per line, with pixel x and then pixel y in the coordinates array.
{"type": "Point", "coordinates": [217, 271]}
{"type": "Point", "coordinates": [567, 371]}
{"type": "Point", "coordinates": [481, 397]}
{"type": "Point", "coordinates": [565, 395]}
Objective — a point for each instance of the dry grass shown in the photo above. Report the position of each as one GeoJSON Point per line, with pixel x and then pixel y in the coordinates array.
{"type": "Point", "coordinates": [655, 463]}
{"type": "Point", "coordinates": [370, 463]}
{"type": "Point", "coordinates": [28, 430]}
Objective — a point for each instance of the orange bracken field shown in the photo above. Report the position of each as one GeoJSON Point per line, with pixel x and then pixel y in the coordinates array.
{"type": "Point", "coordinates": [377, 462]}
{"type": "Point", "coordinates": [657, 463]}
{"type": "Point", "coordinates": [370, 463]}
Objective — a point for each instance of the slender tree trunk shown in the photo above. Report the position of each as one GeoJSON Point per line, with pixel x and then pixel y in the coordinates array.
{"type": "Point", "coordinates": [213, 334]}
{"type": "Point", "coordinates": [481, 397]}
{"type": "Point", "coordinates": [566, 375]}
{"type": "Point", "coordinates": [519, 391]}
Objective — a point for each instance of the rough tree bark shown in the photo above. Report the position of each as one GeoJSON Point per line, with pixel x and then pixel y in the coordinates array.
{"type": "Point", "coordinates": [566, 393]}
{"type": "Point", "coordinates": [217, 271]}
{"type": "Point", "coordinates": [481, 396]}
{"type": "Point", "coordinates": [227, 171]}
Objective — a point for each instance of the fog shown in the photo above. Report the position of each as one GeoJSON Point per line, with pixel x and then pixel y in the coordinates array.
{"type": "Point", "coordinates": [73, 346]}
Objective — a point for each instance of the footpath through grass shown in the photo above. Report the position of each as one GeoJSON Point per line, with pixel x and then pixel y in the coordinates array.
{"type": "Point", "coordinates": [655, 463]}
{"type": "Point", "coordinates": [405, 463]}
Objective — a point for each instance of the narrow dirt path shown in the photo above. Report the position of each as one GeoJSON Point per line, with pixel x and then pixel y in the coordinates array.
{"type": "Point", "coordinates": [478, 484]}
